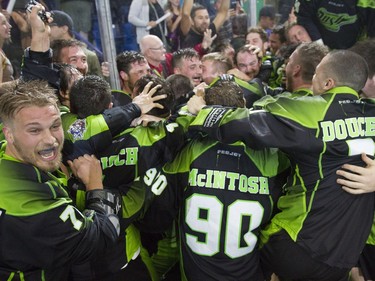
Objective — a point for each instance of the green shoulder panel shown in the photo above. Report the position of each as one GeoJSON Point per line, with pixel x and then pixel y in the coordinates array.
{"type": "Point", "coordinates": [147, 136]}
{"type": "Point", "coordinates": [366, 4]}
{"type": "Point", "coordinates": [181, 163]}
{"type": "Point", "coordinates": [24, 191]}
{"type": "Point", "coordinates": [303, 110]}
{"type": "Point", "coordinates": [83, 129]}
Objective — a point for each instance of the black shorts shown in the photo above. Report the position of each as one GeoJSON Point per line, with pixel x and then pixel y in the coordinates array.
{"type": "Point", "coordinates": [283, 256]}
{"type": "Point", "coordinates": [366, 262]}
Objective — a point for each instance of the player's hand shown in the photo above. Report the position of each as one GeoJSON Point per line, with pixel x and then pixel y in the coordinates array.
{"type": "Point", "coordinates": [255, 50]}
{"type": "Point", "coordinates": [356, 179]}
{"type": "Point", "coordinates": [146, 101]}
{"type": "Point", "coordinates": [144, 120]}
{"type": "Point", "coordinates": [88, 169]}
{"type": "Point", "coordinates": [196, 103]}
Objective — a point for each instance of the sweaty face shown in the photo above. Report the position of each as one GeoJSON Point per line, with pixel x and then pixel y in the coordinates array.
{"type": "Point", "coordinates": [36, 137]}
{"type": "Point", "coordinates": [254, 39]}
{"type": "Point", "coordinates": [137, 70]}
{"type": "Point", "coordinates": [209, 71]}
{"type": "Point", "coordinates": [275, 42]}
{"type": "Point", "coordinates": [191, 68]}
{"type": "Point", "coordinates": [298, 34]}
{"type": "Point", "coordinates": [248, 63]}
{"type": "Point", "coordinates": [75, 56]}
{"type": "Point", "coordinates": [201, 20]}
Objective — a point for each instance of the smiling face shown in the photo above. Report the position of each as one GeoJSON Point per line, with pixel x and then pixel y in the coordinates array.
{"type": "Point", "coordinates": [248, 63]}
{"type": "Point", "coordinates": [35, 136]}
{"type": "Point", "coordinates": [75, 55]}
{"type": "Point", "coordinates": [191, 68]}
{"type": "Point", "coordinates": [201, 20]}
{"type": "Point", "coordinates": [5, 28]}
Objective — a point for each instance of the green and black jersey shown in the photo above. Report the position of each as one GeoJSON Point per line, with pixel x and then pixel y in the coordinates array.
{"type": "Point", "coordinates": [126, 157]}
{"type": "Point", "coordinates": [224, 194]}
{"type": "Point", "coordinates": [319, 134]}
{"type": "Point", "coordinates": [95, 133]}
{"type": "Point", "coordinates": [41, 233]}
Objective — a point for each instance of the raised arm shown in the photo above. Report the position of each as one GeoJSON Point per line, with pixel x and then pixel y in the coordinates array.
{"type": "Point", "coordinates": [40, 40]}
{"type": "Point", "coordinates": [185, 23]}
{"type": "Point", "coordinates": [222, 14]}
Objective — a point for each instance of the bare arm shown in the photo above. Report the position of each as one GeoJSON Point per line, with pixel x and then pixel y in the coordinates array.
{"type": "Point", "coordinates": [185, 23]}
{"type": "Point", "coordinates": [222, 14]}
{"type": "Point", "coordinates": [356, 179]}
{"type": "Point", "coordinates": [40, 41]}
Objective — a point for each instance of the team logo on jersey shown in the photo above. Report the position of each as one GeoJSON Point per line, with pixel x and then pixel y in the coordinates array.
{"type": "Point", "coordinates": [334, 22]}
{"type": "Point", "coordinates": [78, 129]}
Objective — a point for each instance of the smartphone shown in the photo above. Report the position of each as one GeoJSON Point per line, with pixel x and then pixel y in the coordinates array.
{"type": "Point", "coordinates": [233, 4]}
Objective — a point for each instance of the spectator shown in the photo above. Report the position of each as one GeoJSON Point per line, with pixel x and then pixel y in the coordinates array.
{"type": "Point", "coordinates": [155, 53]}
{"type": "Point", "coordinates": [225, 32]}
{"type": "Point", "coordinates": [143, 14]}
{"type": "Point", "coordinates": [62, 28]}
{"type": "Point", "coordinates": [6, 69]}
{"type": "Point", "coordinates": [173, 24]}
{"type": "Point", "coordinates": [196, 22]}
{"type": "Point", "coordinates": [266, 18]}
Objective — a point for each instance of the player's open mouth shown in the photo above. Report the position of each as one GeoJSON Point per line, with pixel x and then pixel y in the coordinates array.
{"type": "Point", "coordinates": [48, 154]}
{"type": "Point", "coordinates": [197, 79]}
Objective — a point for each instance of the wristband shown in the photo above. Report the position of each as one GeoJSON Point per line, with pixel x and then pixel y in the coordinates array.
{"type": "Point", "coordinates": [103, 200]}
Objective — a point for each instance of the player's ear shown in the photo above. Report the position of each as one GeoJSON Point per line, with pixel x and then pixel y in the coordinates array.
{"type": "Point", "coordinates": [8, 134]}
{"type": "Point", "coordinates": [329, 84]}
{"type": "Point", "coordinates": [124, 76]}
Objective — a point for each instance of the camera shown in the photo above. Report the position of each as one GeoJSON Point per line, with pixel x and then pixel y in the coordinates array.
{"type": "Point", "coordinates": [42, 14]}
{"type": "Point", "coordinates": [233, 4]}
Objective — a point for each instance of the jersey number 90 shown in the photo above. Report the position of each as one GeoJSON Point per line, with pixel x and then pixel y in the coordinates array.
{"type": "Point", "coordinates": [211, 226]}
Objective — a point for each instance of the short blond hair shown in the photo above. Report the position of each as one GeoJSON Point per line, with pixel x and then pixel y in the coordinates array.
{"type": "Point", "coordinates": [26, 94]}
